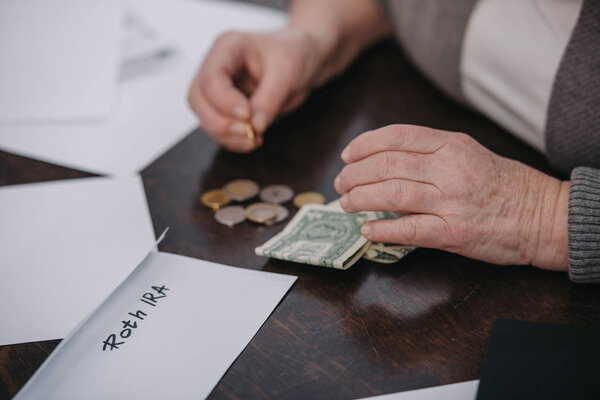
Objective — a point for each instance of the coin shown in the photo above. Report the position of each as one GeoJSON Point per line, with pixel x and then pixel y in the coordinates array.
{"type": "Point", "coordinates": [304, 198]}
{"type": "Point", "coordinates": [241, 189]}
{"type": "Point", "coordinates": [215, 199]}
{"type": "Point", "coordinates": [231, 215]}
{"type": "Point", "coordinates": [250, 133]}
{"type": "Point", "coordinates": [282, 213]}
{"type": "Point", "coordinates": [261, 212]}
{"type": "Point", "coordinates": [278, 194]}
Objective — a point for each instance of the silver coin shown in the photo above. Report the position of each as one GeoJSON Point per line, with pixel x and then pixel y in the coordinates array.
{"type": "Point", "coordinates": [241, 189]}
{"type": "Point", "coordinates": [282, 213]}
{"type": "Point", "coordinates": [261, 212]}
{"type": "Point", "coordinates": [231, 215]}
{"type": "Point", "coordinates": [277, 194]}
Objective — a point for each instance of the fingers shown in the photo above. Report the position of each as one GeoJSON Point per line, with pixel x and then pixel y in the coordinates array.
{"type": "Point", "coordinates": [386, 165]}
{"type": "Point", "coordinates": [395, 195]}
{"type": "Point", "coordinates": [421, 230]}
{"type": "Point", "coordinates": [294, 102]}
{"type": "Point", "coordinates": [225, 61]}
{"type": "Point", "coordinates": [230, 134]}
{"type": "Point", "coordinates": [273, 90]}
{"type": "Point", "coordinates": [220, 91]}
{"type": "Point", "coordinates": [406, 138]}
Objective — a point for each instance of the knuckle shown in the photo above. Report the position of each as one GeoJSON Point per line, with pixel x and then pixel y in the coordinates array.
{"type": "Point", "coordinates": [385, 164]}
{"type": "Point", "coordinates": [397, 135]}
{"type": "Point", "coordinates": [343, 182]}
{"type": "Point", "coordinates": [204, 79]}
{"type": "Point", "coordinates": [409, 231]}
{"type": "Point", "coordinates": [396, 193]}
{"type": "Point", "coordinates": [289, 66]}
{"type": "Point", "coordinates": [351, 197]}
{"type": "Point", "coordinates": [461, 139]}
{"type": "Point", "coordinates": [227, 37]}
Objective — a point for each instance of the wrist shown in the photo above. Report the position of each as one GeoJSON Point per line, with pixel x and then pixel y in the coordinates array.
{"type": "Point", "coordinates": [549, 237]}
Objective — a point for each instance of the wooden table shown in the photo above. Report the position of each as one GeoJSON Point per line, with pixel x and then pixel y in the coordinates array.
{"type": "Point", "coordinates": [375, 328]}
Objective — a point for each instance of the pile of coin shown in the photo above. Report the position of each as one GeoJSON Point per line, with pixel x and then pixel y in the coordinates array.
{"type": "Point", "coordinates": [268, 211]}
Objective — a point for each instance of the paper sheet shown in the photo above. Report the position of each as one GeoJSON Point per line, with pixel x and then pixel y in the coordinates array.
{"type": "Point", "coordinates": [151, 112]}
{"type": "Point", "coordinates": [169, 331]}
{"type": "Point", "coordinates": [456, 391]}
{"type": "Point", "coordinates": [64, 246]}
{"type": "Point", "coordinates": [59, 59]}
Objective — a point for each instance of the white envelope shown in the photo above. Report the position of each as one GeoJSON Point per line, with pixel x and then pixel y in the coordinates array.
{"type": "Point", "coordinates": [169, 331]}
{"type": "Point", "coordinates": [64, 246]}
{"type": "Point", "coordinates": [454, 391]}
{"type": "Point", "coordinates": [59, 59]}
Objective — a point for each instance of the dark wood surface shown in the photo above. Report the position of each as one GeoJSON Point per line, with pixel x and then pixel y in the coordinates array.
{"type": "Point", "coordinates": [375, 328]}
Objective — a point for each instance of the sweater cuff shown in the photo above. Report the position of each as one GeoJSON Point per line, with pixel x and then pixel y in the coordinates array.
{"type": "Point", "coordinates": [584, 225]}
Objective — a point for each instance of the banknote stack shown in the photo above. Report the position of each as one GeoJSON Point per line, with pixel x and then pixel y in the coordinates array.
{"type": "Point", "coordinates": [326, 236]}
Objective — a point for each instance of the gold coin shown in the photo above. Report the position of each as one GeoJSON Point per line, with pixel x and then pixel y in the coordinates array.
{"type": "Point", "coordinates": [261, 212]}
{"type": "Point", "coordinates": [304, 198]}
{"type": "Point", "coordinates": [241, 189]}
{"type": "Point", "coordinates": [215, 199]}
{"type": "Point", "coordinates": [250, 134]}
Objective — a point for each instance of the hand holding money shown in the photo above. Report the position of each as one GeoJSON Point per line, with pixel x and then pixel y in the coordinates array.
{"type": "Point", "coordinates": [460, 197]}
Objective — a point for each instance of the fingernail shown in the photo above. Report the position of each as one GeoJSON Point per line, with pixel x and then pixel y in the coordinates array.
{"type": "Point", "coordinates": [365, 230]}
{"type": "Point", "coordinates": [346, 154]}
{"type": "Point", "coordinates": [337, 181]}
{"type": "Point", "coordinates": [260, 121]}
{"type": "Point", "coordinates": [238, 128]}
{"type": "Point", "coordinates": [344, 201]}
{"type": "Point", "coordinates": [241, 112]}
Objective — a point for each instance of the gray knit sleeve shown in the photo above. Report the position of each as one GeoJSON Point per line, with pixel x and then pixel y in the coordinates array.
{"type": "Point", "coordinates": [584, 225]}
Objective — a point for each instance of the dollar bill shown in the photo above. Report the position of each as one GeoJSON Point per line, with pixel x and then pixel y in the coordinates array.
{"type": "Point", "coordinates": [327, 236]}
{"type": "Point", "coordinates": [383, 253]}
{"type": "Point", "coordinates": [387, 253]}
{"type": "Point", "coordinates": [319, 235]}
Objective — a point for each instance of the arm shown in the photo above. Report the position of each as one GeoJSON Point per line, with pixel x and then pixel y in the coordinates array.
{"type": "Point", "coordinates": [340, 30]}
{"type": "Point", "coordinates": [254, 77]}
{"type": "Point", "coordinates": [457, 196]}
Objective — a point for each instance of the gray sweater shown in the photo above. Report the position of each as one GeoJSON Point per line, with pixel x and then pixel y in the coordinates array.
{"type": "Point", "coordinates": [433, 34]}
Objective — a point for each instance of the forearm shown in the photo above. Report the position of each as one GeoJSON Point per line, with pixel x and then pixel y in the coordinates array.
{"type": "Point", "coordinates": [340, 28]}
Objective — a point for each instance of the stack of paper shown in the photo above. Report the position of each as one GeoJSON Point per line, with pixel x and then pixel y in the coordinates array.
{"type": "Point", "coordinates": [64, 246]}
{"type": "Point", "coordinates": [59, 59]}
{"type": "Point", "coordinates": [151, 112]}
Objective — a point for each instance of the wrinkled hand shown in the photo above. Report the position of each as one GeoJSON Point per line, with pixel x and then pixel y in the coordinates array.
{"type": "Point", "coordinates": [458, 195]}
{"type": "Point", "coordinates": [253, 77]}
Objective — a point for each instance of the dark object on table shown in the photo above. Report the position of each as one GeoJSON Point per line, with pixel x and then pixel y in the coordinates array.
{"type": "Point", "coordinates": [527, 360]}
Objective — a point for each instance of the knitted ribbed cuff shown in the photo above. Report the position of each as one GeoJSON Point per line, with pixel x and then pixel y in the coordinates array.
{"type": "Point", "coordinates": [584, 226]}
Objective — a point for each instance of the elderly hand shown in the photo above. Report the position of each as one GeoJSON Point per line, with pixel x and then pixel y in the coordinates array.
{"type": "Point", "coordinates": [458, 195]}
{"type": "Point", "coordinates": [253, 77]}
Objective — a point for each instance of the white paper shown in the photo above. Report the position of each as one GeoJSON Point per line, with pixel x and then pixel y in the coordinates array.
{"type": "Point", "coordinates": [151, 112]}
{"type": "Point", "coordinates": [203, 316]}
{"type": "Point", "coordinates": [64, 246]}
{"type": "Point", "coordinates": [456, 391]}
{"type": "Point", "coordinates": [59, 59]}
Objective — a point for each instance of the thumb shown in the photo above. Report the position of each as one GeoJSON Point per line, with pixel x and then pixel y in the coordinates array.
{"type": "Point", "coordinates": [268, 99]}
